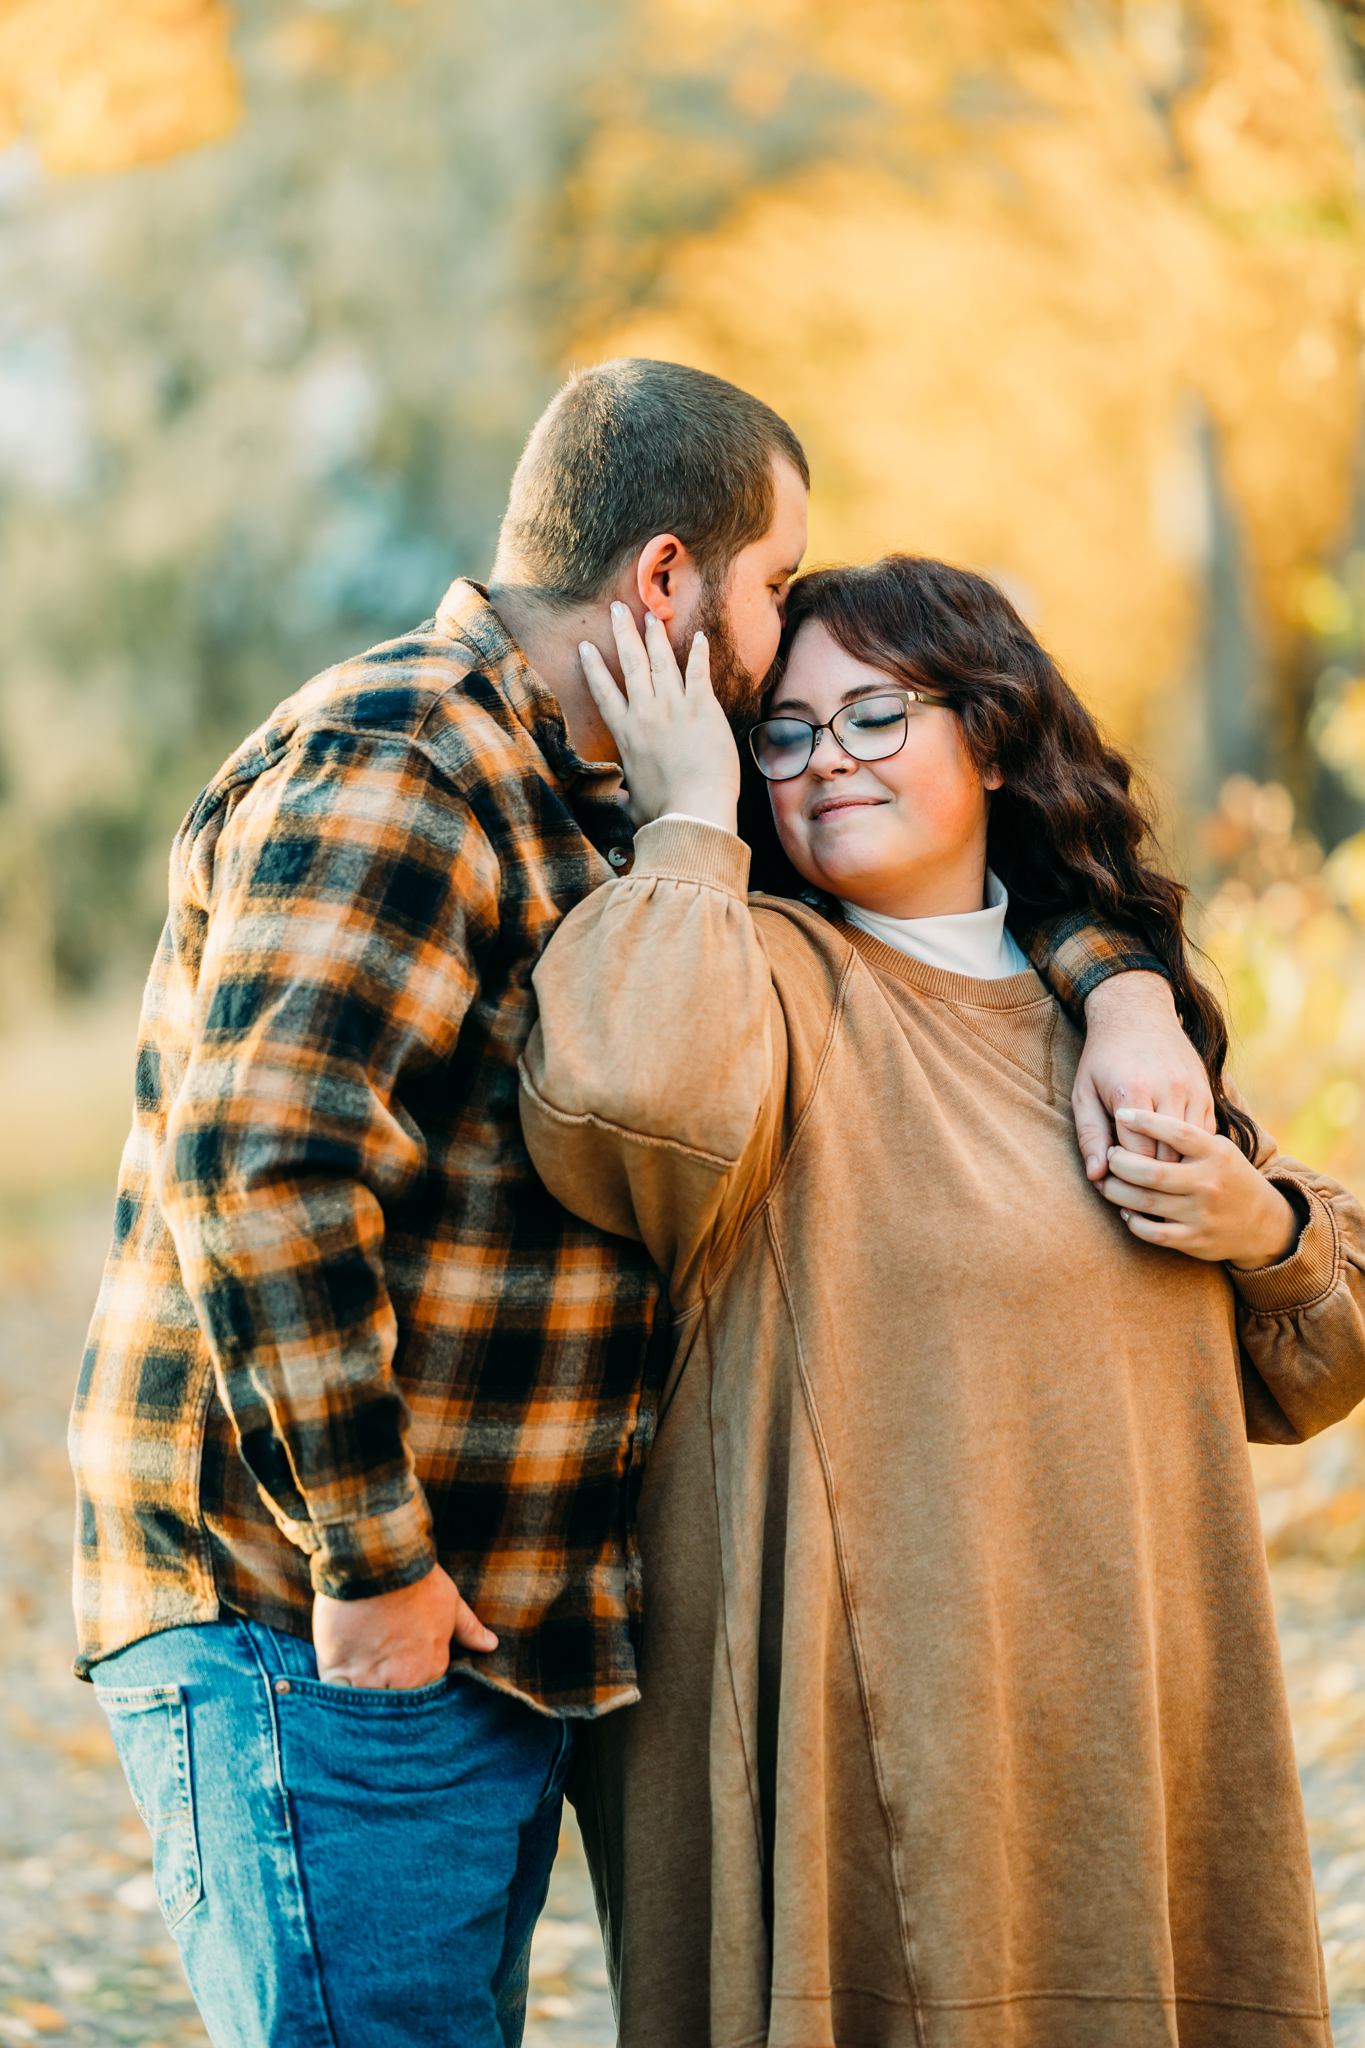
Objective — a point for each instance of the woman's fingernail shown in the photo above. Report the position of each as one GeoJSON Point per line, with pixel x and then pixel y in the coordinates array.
{"type": "Point", "coordinates": [1124, 1213]}
{"type": "Point", "coordinates": [1125, 1116]}
{"type": "Point", "coordinates": [617, 610]}
{"type": "Point", "coordinates": [1093, 1165]}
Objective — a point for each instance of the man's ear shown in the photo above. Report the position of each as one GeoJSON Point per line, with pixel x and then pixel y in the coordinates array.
{"type": "Point", "coordinates": [656, 575]}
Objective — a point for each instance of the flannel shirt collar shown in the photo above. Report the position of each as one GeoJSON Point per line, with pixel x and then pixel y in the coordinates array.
{"type": "Point", "coordinates": [467, 615]}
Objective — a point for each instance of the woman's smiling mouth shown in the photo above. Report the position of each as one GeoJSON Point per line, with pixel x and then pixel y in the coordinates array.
{"type": "Point", "coordinates": [829, 805]}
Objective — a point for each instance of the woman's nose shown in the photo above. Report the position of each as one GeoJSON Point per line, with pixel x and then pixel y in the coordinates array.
{"type": "Point", "coordinates": [828, 757]}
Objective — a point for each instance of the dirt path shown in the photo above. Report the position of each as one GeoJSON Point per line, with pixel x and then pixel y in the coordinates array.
{"type": "Point", "coordinates": [84, 1955]}
{"type": "Point", "coordinates": [1322, 1636]}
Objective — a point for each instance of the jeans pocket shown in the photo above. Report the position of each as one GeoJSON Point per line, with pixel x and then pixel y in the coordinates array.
{"type": "Point", "coordinates": [151, 1734]}
{"type": "Point", "coordinates": [373, 1699]}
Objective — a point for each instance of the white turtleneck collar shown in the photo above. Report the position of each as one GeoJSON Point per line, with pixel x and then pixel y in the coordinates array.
{"type": "Point", "coordinates": [971, 942]}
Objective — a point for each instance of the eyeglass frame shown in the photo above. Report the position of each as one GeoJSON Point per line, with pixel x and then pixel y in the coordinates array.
{"type": "Point", "coordinates": [901, 690]}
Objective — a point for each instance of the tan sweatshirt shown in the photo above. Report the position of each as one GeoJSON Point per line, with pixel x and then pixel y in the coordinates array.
{"type": "Point", "coordinates": [963, 1719]}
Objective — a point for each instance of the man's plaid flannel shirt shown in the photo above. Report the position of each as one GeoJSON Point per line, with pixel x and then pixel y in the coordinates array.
{"type": "Point", "coordinates": [343, 1331]}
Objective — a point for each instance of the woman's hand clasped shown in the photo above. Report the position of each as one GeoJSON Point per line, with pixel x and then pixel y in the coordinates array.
{"type": "Point", "coordinates": [1210, 1202]}
{"type": "Point", "coordinates": [677, 750]}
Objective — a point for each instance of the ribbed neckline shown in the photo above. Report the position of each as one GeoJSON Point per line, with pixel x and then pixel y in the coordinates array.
{"type": "Point", "coordinates": [1012, 992]}
{"type": "Point", "coordinates": [976, 943]}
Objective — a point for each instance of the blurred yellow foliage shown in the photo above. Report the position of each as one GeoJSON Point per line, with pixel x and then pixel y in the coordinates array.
{"type": "Point", "coordinates": [100, 88]}
{"type": "Point", "coordinates": [309, 45]}
{"type": "Point", "coordinates": [1286, 933]}
{"type": "Point", "coordinates": [1001, 306]}
{"type": "Point", "coordinates": [1341, 736]}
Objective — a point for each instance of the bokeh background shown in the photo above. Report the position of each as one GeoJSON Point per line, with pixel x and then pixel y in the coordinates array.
{"type": "Point", "coordinates": [1072, 291]}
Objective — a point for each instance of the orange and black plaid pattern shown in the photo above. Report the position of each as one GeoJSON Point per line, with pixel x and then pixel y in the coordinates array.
{"type": "Point", "coordinates": [1074, 956]}
{"type": "Point", "coordinates": [343, 1330]}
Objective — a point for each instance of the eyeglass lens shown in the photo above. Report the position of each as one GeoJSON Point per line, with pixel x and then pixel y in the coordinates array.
{"type": "Point", "coordinates": [870, 729]}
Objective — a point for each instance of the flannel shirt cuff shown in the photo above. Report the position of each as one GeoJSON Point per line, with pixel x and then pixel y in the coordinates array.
{"type": "Point", "coordinates": [1310, 1269]}
{"type": "Point", "coordinates": [687, 850]}
{"type": "Point", "coordinates": [1074, 955]}
{"type": "Point", "coordinates": [373, 1554]}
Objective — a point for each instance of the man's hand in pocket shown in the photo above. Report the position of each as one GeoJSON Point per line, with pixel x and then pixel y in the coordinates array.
{"type": "Point", "coordinates": [399, 1641]}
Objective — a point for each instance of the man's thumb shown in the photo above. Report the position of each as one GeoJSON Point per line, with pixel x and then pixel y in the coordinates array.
{"type": "Point", "coordinates": [469, 1632]}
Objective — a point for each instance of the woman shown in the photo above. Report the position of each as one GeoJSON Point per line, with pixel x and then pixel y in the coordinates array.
{"type": "Point", "coordinates": [963, 1720]}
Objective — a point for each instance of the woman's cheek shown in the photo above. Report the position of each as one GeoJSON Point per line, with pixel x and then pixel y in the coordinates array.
{"type": "Point", "coordinates": [943, 802]}
{"type": "Point", "coordinates": [791, 832]}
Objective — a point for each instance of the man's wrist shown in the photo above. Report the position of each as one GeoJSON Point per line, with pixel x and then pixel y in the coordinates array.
{"type": "Point", "coordinates": [1131, 987]}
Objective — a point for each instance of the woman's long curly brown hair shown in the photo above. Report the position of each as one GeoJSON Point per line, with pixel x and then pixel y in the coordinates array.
{"type": "Point", "coordinates": [1067, 836]}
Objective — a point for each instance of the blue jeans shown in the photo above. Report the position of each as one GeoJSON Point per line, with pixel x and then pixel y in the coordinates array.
{"type": "Point", "coordinates": [340, 1868]}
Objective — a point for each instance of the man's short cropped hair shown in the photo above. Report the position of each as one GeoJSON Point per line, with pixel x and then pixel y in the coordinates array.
{"type": "Point", "coordinates": [632, 448]}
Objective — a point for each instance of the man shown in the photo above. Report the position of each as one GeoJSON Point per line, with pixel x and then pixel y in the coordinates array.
{"type": "Point", "coordinates": [361, 1404]}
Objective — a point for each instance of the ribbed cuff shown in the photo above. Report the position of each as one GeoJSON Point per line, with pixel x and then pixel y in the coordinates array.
{"type": "Point", "coordinates": [685, 850]}
{"type": "Point", "coordinates": [375, 1554]}
{"type": "Point", "coordinates": [1310, 1269]}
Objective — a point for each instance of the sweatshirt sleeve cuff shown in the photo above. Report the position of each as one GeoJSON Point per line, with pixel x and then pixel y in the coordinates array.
{"type": "Point", "coordinates": [686, 850]}
{"type": "Point", "coordinates": [1307, 1274]}
{"type": "Point", "coordinates": [357, 1560]}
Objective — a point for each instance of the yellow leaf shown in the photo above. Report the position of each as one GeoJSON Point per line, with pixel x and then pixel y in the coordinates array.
{"type": "Point", "coordinates": [100, 88]}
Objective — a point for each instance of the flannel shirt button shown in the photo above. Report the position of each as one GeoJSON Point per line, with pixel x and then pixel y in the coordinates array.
{"type": "Point", "coordinates": [282, 1686]}
{"type": "Point", "coordinates": [616, 857]}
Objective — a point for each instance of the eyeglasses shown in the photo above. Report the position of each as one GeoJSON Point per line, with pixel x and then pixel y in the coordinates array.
{"type": "Point", "coordinates": [868, 729]}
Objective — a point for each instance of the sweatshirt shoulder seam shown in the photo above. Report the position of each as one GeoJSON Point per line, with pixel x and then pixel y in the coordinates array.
{"type": "Point", "coordinates": [764, 1208]}
{"type": "Point", "coordinates": [826, 1054]}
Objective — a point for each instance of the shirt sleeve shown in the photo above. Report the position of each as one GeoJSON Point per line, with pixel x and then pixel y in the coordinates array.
{"type": "Point", "coordinates": [1302, 1322]}
{"type": "Point", "coordinates": [652, 1083]}
{"type": "Point", "coordinates": [1074, 954]}
{"type": "Point", "coordinates": [345, 904]}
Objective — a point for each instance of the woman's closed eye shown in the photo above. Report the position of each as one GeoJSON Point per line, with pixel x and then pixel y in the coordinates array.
{"type": "Point", "coordinates": [878, 714]}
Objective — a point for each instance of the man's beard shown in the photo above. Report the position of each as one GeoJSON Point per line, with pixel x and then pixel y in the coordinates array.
{"type": "Point", "coordinates": [737, 691]}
